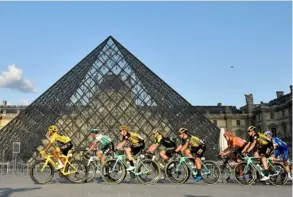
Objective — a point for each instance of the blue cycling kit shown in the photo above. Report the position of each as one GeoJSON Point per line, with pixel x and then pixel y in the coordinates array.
{"type": "Point", "coordinates": [281, 148]}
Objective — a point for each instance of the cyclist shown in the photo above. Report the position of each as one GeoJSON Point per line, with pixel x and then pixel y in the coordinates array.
{"type": "Point", "coordinates": [132, 142]}
{"type": "Point", "coordinates": [280, 148]}
{"type": "Point", "coordinates": [192, 144]}
{"type": "Point", "coordinates": [64, 145]}
{"type": "Point", "coordinates": [169, 145]}
{"type": "Point", "coordinates": [107, 144]}
{"type": "Point", "coordinates": [261, 146]}
{"type": "Point", "coordinates": [235, 145]}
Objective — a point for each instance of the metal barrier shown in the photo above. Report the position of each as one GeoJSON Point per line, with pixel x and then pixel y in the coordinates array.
{"type": "Point", "coordinates": [14, 168]}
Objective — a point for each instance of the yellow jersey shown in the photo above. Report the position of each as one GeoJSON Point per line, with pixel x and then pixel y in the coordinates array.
{"type": "Point", "coordinates": [132, 137]}
{"type": "Point", "coordinates": [59, 138]}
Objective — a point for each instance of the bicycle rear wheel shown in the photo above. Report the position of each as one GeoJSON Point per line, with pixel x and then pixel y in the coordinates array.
{"type": "Point", "coordinates": [278, 174]}
{"type": "Point", "coordinates": [81, 171]}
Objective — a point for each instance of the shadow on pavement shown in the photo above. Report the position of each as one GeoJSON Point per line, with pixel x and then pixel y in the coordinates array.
{"type": "Point", "coordinates": [195, 196]}
{"type": "Point", "coordinates": [6, 192]}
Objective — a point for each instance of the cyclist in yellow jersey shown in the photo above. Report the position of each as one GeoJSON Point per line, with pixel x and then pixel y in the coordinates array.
{"type": "Point", "coordinates": [133, 144]}
{"type": "Point", "coordinates": [192, 144]}
{"type": "Point", "coordinates": [64, 143]}
{"type": "Point", "coordinates": [261, 146]}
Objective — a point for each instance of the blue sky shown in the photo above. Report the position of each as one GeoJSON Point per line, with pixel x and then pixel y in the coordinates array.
{"type": "Point", "coordinates": [190, 45]}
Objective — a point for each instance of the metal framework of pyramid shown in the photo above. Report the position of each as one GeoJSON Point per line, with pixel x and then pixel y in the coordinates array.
{"type": "Point", "coordinates": [108, 88]}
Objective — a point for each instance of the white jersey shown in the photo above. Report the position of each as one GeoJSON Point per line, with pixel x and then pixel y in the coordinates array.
{"type": "Point", "coordinates": [105, 140]}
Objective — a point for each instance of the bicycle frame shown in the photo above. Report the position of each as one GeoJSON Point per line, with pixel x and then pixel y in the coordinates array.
{"type": "Point", "coordinates": [121, 159]}
{"type": "Point", "coordinates": [182, 160]}
{"type": "Point", "coordinates": [55, 165]}
{"type": "Point", "coordinates": [259, 169]}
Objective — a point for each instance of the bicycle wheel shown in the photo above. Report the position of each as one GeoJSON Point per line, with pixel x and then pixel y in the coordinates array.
{"type": "Point", "coordinates": [278, 174]}
{"type": "Point", "coordinates": [91, 172]}
{"type": "Point", "coordinates": [36, 168]}
{"type": "Point", "coordinates": [244, 174]}
{"type": "Point", "coordinates": [145, 168]}
{"type": "Point", "coordinates": [113, 172]}
{"type": "Point", "coordinates": [176, 172]}
{"type": "Point", "coordinates": [80, 169]}
{"type": "Point", "coordinates": [210, 172]}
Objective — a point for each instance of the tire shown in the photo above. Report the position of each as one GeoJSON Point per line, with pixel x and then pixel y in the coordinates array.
{"type": "Point", "coordinates": [78, 164]}
{"type": "Point", "coordinates": [168, 172]}
{"type": "Point", "coordinates": [249, 168]}
{"type": "Point", "coordinates": [142, 166]}
{"type": "Point", "coordinates": [32, 175]}
{"type": "Point", "coordinates": [91, 172]}
{"type": "Point", "coordinates": [105, 171]}
{"type": "Point", "coordinates": [283, 175]}
{"type": "Point", "coordinates": [214, 171]}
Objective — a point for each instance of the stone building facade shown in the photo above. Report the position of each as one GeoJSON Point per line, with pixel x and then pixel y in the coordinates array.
{"type": "Point", "coordinates": [275, 115]}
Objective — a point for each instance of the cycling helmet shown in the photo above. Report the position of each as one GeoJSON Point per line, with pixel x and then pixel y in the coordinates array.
{"type": "Point", "coordinates": [227, 133]}
{"type": "Point", "coordinates": [156, 131]}
{"type": "Point", "coordinates": [95, 131]}
{"type": "Point", "coordinates": [52, 129]}
{"type": "Point", "coordinates": [182, 130]}
{"type": "Point", "coordinates": [269, 133]}
{"type": "Point", "coordinates": [123, 127]}
{"type": "Point", "coordinates": [251, 128]}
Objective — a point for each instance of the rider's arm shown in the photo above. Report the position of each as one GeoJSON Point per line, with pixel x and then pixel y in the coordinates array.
{"type": "Point", "coordinates": [178, 148]}
{"type": "Point", "coordinates": [184, 147]}
{"type": "Point", "coordinates": [51, 141]}
{"type": "Point", "coordinates": [246, 147]}
{"type": "Point", "coordinates": [47, 146]}
{"type": "Point", "coordinates": [92, 146]}
{"type": "Point", "coordinates": [153, 147]}
{"type": "Point", "coordinates": [251, 146]}
{"type": "Point", "coordinates": [121, 144]}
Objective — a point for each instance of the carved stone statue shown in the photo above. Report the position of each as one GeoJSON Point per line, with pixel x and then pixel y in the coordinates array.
{"type": "Point", "coordinates": [249, 99]}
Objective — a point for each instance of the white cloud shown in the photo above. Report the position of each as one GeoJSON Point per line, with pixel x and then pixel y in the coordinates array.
{"type": "Point", "coordinates": [13, 79]}
{"type": "Point", "coordinates": [19, 102]}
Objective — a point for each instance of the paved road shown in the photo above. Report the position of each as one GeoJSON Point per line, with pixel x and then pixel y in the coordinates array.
{"type": "Point", "coordinates": [16, 186]}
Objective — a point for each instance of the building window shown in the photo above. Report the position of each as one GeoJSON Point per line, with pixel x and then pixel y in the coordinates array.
{"type": "Point", "coordinates": [216, 122]}
{"type": "Point", "coordinates": [285, 130]}
{"type": "Point", "coordinates": [283, 113]}
{"type": "Point", "coordinates": [238, 122]}
{"type": "Point", "coordinates": [274, 131]}
{"type": "Point", "coordinates": [239, 133]}
{"type": "Point", "coordinates": [272, 115]}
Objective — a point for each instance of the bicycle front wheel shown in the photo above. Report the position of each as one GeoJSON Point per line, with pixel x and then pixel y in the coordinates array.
{"type": "Point", "coordinates": [91, 172]}
{"type": "Point", "coordinates": [244, 174]}
{"type": "Point", "coordinates": [113, 172]}
{"type": "Point", "coordinates": [176, 172]}
{"type": "Point", "coordinates": [36, 170]}
{"type": "Point", "coordinates": [210, 172]}
{"type": "Point", "coordinates": [77, 170]}
{"type": "Point", "coordinates": [145, 170]}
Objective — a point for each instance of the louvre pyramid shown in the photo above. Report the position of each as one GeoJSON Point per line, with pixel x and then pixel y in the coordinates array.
{"type": "Point", "coordinates": [108, 88]}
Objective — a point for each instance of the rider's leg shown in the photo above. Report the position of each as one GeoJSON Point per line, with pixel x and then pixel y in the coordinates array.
{"type": "Point", "coordinates": [163, 155]}
{"type": "Point", "coordinates": [56, 156]}
{"type": "Point", "coordinates": [129, 156]}
{"type": "Point", "coordinates": [101, 156]}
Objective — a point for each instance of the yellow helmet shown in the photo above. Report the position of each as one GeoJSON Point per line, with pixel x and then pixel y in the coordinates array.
{"type": "Point", "coordinates": [52, 129]}
{"type": "Point", "coordinates": [123, 127]}
{"type": "Point", "coordinates": [182, 130]}
{"type": "Point", "coordinates": [251, 128]}
{"type": "Point", "coordinates": [156, 131]}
